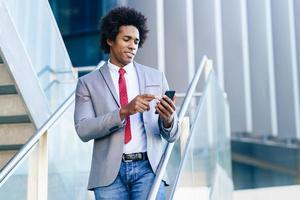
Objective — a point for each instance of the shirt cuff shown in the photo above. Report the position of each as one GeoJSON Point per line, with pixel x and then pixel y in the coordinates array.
{"type": "Point", "coordinates": [164, 128]}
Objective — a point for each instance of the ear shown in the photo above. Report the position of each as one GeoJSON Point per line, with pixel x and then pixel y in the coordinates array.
{"type": "Point", "coordinates": [109, 42]}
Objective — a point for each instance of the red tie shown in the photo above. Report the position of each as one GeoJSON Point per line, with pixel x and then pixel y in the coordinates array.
{"type": "Point", "coordinates": [124, 101]}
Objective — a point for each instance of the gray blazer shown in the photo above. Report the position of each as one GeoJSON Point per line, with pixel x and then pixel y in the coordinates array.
{"type": "Point", "coordinates": [97, 118]}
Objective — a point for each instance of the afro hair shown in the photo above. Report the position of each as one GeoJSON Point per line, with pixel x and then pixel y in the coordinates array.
{"type": "Point", "coordinates": [121, 16]}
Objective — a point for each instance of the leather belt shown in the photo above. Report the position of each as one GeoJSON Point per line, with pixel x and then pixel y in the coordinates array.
{"type": "Point", "coordinates": [134, 156]}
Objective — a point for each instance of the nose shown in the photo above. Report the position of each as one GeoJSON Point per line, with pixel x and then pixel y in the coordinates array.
{"type": "Point", "coordinates": [132, 45]}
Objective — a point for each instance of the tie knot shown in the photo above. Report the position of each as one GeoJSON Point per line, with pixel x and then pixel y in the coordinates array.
{"type": "Point", "coordinates": [122, 71]}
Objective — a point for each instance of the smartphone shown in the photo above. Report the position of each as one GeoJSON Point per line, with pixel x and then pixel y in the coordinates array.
{"type": "Point", "coordinates": [170, 94]}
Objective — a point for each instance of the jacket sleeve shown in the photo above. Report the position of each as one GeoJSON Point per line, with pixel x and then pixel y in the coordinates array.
{"type": "Point", "coordinates": [170, 134]}
{"type": "Point", "coordinates": [87, 125]}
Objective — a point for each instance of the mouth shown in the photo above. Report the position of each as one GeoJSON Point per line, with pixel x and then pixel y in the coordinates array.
{"type": "Point", "coordinates": [130, 54]}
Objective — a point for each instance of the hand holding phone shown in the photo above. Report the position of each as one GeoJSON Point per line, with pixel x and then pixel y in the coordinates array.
{"type": "Point", "coordinates": [170, 94]}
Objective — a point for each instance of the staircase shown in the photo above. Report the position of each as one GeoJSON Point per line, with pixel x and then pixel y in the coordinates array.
{"type": "Point", "coordinates": [15, 123]}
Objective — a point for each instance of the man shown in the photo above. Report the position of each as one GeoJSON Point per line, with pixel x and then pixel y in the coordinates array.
{"type": "Point", "coordinates": [118, 107]}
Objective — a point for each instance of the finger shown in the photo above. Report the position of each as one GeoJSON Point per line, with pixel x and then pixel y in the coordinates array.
{"type": "Point", "coordinates": [148, 97]}
{"type": "Point", "coordinates": [167, 106]}
{"type": "Point", "coordinates": [165, 117]}
{"type": "Point", "coordinates": [140, 110]}
{"type": "Point", "coordinates": [142, 107]}
{"type": "Point", "coordinates": [145, 103]}
{"type": "Point", "coordinates": [161, 113]}
{"type": "Point", "coordinates": [170, 102]}
{"type": "Point", "coordinates": [139, 105]}
{"type": "Point", "coordinates": [164, 110]}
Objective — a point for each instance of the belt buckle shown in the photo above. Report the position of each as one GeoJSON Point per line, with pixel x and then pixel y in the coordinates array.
{"type": "Point", "coordinates": [124, 159]}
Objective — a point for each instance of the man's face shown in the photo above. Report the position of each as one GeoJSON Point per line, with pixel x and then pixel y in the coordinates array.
{"type": "Point", "coordinates": [125, 46]}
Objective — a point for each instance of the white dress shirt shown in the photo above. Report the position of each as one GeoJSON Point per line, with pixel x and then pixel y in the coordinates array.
{"type": "Point", "coordinates": [138, 141]}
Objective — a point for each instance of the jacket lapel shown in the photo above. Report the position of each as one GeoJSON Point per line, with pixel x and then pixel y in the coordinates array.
{"type": "Point", "coordinates": [104, 71]}
{"type": "Point", "coordinates": [141, 77]}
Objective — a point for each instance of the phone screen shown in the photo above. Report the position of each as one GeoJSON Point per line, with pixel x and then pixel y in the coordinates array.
{"type": "Point", "coordinates": [170, 94]}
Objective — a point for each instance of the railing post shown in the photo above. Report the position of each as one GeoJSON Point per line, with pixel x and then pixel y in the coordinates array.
{"type": "Point", "coordinates": [37, 183]}
{"type": "Point", "coordinates": [184, 134]}
{"type": "Point", "coordinates": [207, 70]}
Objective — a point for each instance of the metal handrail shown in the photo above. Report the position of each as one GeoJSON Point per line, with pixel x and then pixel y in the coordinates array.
{"type": "Point", "coordinates": [18, 159]}
{"type": "Point", "coordinates": [90, 68]}
{"type": "Point", "coordinates": [75, 69]}
{"type": "Point", "coordinates": [161, 170]}
{"type": "Point", "coordinates": [54, 71]}
{"type": "Point", "coordinates": [182, 95]}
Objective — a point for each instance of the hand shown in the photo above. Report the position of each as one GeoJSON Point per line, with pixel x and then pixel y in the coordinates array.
{"type": "Point", "coordinates": [139, 104]}
{"type": "Point", "coordinates": [166, 110]}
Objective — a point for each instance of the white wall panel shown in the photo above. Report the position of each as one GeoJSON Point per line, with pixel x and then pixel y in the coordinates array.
{"type": "Point", "coordinates": [262, 68]}
{"type": "Point", "coordinates": [234, 64]}
{"type": "Point", "coordinates": [286, 74]}
{"type": "Point", "coordinates": [147, 55]}
{"type": "Point", "coordinates": [297, 29]}
{"type": "Point", "coordinates": [176, 44]}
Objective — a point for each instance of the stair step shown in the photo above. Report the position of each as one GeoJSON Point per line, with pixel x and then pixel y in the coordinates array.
{"type": "Point", "coordinates": [17, 119]}
{"type": "Point", "coordinates": [8, 89]}
{"type": "Point", "coordinates": [5, 78]}
{"type": "Point", "coordinates": [11, 147]}
{"type": "Point", "coordinates": [15, 133]}
{"type": "Point", "coordinates": [11, 105]}
{"type": "Point", "coordinates": [5, 156]}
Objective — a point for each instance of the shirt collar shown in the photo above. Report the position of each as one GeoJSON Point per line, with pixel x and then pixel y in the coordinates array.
{"type": "Point", "coordinates": [114, 68]}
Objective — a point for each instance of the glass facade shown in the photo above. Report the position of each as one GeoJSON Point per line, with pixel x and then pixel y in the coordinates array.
{"type": "Point", "coordinates": [78, 21]}
{"type": "Point", "coordinates": [43, 49]}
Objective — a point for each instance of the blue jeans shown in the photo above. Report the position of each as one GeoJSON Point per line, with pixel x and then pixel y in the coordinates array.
{"type": "Point", "coordinates": [133, 182]}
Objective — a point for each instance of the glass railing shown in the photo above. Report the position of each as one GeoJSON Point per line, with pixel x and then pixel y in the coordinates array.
{"type": "Point", "coordinates": [68, 166]}
{"type": "Point", "coordinates": [205, 168]}
{"type": "Point", "coordinates": [69, 161]}
{"type": "Point", "coordinates": [37, 30]}
{"type": "Point", "coordinates": [199, 165]}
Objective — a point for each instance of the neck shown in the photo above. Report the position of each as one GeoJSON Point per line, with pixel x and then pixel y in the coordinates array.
{"type": "Point", "coordinates": [120, 65]}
